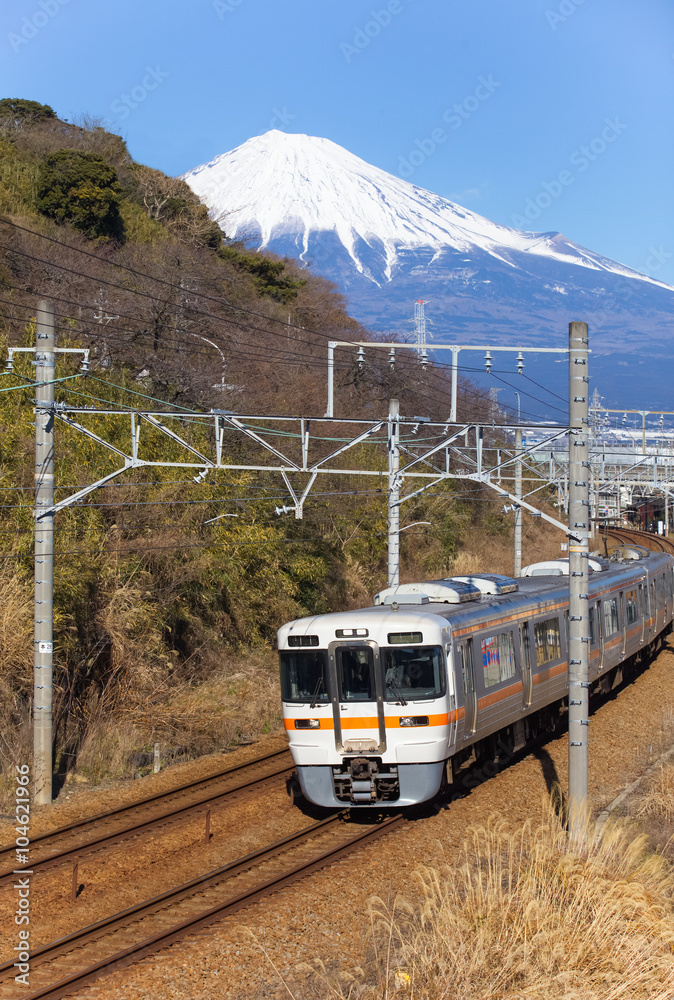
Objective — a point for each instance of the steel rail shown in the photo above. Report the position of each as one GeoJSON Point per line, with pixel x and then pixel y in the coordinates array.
{"type": "Point", "coordinates": [169, 935]}
{"type": "Point", "coordinates": [655, 543]}
{"type": "Point", "coordinates": [86, 847]}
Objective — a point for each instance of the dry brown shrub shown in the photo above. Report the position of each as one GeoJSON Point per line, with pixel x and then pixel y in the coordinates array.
{"type": "Point", "coordinates": [523, 917]}
{"type": "Point", "coordinates": [490, 553]}
{"type": "Point", "coordinates": [107, 749]}
{"type": "Point", "coordinates": [238, 702]}
{"type": "Point", "coordinates": [359, 583]}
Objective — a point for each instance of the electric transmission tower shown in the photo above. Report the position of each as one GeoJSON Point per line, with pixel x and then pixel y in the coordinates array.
{"type": "Point", "coordinates": [420, 328]}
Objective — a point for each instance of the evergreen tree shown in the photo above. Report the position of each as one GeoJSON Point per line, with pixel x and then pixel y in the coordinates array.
{"type": "Point", "coordinates": [16, 111]}
{"type": "Point", "coordinates": [267, 273]}
{"type": "Point", "coordinates": [82, 189]}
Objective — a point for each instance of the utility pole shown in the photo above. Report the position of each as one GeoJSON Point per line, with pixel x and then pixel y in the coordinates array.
{"type": "Point", "coordinates": [393, 493]}
{"type": "Point", "coordinates": [579, 611]}
{"type": "Point", "coordinates": [518, 509]}
{"type": "Point", "coordinates": [44, 554]}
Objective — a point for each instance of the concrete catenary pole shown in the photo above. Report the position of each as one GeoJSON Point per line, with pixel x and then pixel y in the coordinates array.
{"type": "Point", "coordinates": [666, 510]}
{"type": "Point", "coordinates": [44, 554]}
{"type": "Point", "coordinates": [393, 493]}
{"type": "Point", "coordinates": [579, 610]}
{"type": "Point", "coordinates": [518, 510]}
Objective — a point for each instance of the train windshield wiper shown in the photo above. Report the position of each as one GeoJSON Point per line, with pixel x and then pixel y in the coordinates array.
{"type": "Point", "coordinates": [397, 692]}
{"type": "Point", "coordinates": [319, 685]}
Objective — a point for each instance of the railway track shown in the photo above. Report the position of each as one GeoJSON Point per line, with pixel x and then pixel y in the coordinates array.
{"type": "Point", "coordinates": [66, 965]}
{"type": "Point", "coordinates": [86, 836]}
{"type": "Point", "coordinates": [629, 536]}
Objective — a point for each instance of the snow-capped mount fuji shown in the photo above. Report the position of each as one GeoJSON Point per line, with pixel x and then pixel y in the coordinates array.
{"type": "Point", "coordinates": [387, 242]}
{"type": "Point", "coordinates": [280, 187]}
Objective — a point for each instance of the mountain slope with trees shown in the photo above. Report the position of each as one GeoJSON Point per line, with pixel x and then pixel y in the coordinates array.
{"type": "Point", "coordinates": [165, 623]}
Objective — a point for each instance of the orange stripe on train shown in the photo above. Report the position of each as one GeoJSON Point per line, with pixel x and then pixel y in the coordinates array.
{"type": "Point", "coordinates": [390, 721]}
{"type": "Point", "coordinates": [492, 699]}
{"type": "Point", "coordinates": [546, 675]}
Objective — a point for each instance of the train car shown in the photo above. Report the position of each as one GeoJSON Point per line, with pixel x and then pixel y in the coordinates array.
{"type": "Point", "coordinates": [383, 703]}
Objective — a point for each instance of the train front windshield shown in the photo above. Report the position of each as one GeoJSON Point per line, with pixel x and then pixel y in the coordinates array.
{"type": "Point", "coordinates": [414, 673]}
{"type": "Point", "coordinates": [304, 675]}
{"type": "Point", "coordinates": [355, 666]}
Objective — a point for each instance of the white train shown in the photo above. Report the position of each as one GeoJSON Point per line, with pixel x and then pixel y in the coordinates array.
{"type": "Point", "coordinates": [381, 704]}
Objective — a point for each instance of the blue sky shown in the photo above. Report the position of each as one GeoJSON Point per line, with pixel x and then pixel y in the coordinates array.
{"type": "Point", "coordinates": [486, 102]}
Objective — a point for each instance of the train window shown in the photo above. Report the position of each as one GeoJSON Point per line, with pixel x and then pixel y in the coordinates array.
{"type": "Point", "coordinates": [355, 673]}
{"type": "Point", "coordinates": [498, 658]}
{"type": "Point", "coordinates": [631, 607]}
{"type": "Point", "coordinates": [547, 641]}
{"type": "Point", "coordinates": [466, 654]}
{"type": "Point", "coordinates": [610, 616]}
{"type": "Point", "coordinates": [413, 672]}
{"type": "Point", "coordinates": [304, 675]}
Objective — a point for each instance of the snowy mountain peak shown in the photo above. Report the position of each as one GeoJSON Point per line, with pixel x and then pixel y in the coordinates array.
{"type": "Point", "coordinates": [283, 189]}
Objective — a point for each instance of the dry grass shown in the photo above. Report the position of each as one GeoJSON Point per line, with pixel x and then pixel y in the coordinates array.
{"type": "Point", "coordinates": [16, 629]}
{"type": "Point", "coordinates": [237, 703]}
{"type": "Point", "coordinates": [523, 917]}
{"type": "Point", "coordinates": [654, 809]}
{"type": "Point", "coordinates": [658, 802]}
{"type": "Point", "coordinates": [480, 553]}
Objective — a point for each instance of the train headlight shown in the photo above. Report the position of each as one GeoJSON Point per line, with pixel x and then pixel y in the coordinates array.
{"type": "Point", "coordinates": [307, 723]}
{"type": "Point", "coordinates": [414, 720]}
{"type": "Point", "coordinates": [348, 633]}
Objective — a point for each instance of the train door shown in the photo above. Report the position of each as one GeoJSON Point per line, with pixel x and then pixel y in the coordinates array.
{"type": "Point", "coordinates": [642, 611]}
{"type": "Point", "coordinates": [623, 619]}
{"type": "Point", "coordinates": [600, 634]}
{"type": "Point", "coordinates": [525, 654]}
{"type": "Point", "coordinates": [499, 682]}
{"type": "Point", "coordinates": [653, 609]}
{"type": "Point", "coordinates": [468, 680]}
{"type": "Point", "coordinates": [593, 651]}
{"type": "Point", "coordinates": [358, 698]}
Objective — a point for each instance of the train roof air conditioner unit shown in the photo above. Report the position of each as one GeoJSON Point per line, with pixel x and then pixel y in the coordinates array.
{"type": "Point", "coordinates": [437, 592]}
{"type": "Point", "coordinates": [489, 583]}
{"type": "Point", "coordinates": [560, 567]}
{"type": "Point", "coordinates": [403, 598]}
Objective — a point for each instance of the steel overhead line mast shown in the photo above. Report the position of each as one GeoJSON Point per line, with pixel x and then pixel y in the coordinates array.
{"type": "Point", "coordinates": [598, 410]}
{"type": "Point", "coordinates": [392, 346]}
{"type": "Point", "coordinates": [304, 464]}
